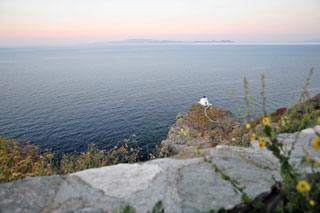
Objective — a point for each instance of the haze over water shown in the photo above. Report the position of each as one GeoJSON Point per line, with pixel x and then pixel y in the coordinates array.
{"type": "Point", "coordinates": [66, 97]}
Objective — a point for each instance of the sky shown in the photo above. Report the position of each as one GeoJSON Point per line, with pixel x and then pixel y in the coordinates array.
{"type": "Point", "coordinates": [48, 22]}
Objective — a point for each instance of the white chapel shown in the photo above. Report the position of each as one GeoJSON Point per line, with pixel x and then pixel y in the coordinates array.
{"type": "Point", "coordinates": [204, 101]}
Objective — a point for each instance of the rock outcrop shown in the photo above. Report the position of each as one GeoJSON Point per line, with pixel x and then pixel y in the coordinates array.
{"type": "Point", "coordinates": [223, 127]}
{"type": "Point", "coordinates": [184, 183]}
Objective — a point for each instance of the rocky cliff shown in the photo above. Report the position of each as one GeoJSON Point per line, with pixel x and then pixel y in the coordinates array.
{"type": "Point", "coordinates": [207, 129]}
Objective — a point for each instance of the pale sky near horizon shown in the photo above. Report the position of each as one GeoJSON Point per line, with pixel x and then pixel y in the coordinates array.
{"type": "Point", "coordinates": [42, 22]}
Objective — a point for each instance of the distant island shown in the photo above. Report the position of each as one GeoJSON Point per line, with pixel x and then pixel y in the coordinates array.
{"type": "Point", "coordinates": [153, 41]}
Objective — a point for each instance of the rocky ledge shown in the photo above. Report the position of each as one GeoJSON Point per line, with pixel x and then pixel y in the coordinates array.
{"type": "Point", "coordinates": [184, 183]}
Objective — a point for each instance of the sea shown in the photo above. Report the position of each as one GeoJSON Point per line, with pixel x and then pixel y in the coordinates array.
{"type": "Point", "coordinates": [65, 97]}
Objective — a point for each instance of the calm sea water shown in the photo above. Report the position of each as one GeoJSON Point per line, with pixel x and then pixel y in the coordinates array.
{"type": "Point", "coordinates": [66, 97]}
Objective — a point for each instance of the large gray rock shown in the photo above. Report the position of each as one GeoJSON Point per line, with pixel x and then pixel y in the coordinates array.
{"type": "Point", "coordinates": [183, 183]}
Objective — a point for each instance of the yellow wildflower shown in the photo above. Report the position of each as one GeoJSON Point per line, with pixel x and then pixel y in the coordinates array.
{"type": "Point", "coordinates": [316, 143]}
{"type": "Point", "coordinates": [16, 174]}
{"type": "Point", "coordinates": [49, 156]}
{"type": "Point", "coordinates": [253, 137]}
{"type": "Point", "coordinates": [283, 123]}
{"type": "Point", "coordinates": [185, 132]}
{"type": "Point", "coordinates": [307, 158]}
{"type": "Point", "coordinates": [88, 155]}
{"type": "Point", "coordinates": [303, 186]}
{"type": "Point", "coordinates": [248, 126]}
{"type": "Point", "coordinates": [266, 121]}
{"type": "Point", "coordinates": [262, 139]}
{"type": "Point", "coordinates": [318, 121]}
{"type": "Point", "coordinates": [19, 164]}
{"type": "Point", "coordinates": [196, 150]}
{"type": "Point", "coordinates": [28, 158]}
{"type": "Point", "coordinates": [312, 202]}
{"type": "Point", "coordinates": [42, 158]}
{"type": "Point", "coordinates": [262, 142]}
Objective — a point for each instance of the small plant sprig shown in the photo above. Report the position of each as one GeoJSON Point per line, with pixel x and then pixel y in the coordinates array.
{"type": "Point", "coordinates": [157, 208]}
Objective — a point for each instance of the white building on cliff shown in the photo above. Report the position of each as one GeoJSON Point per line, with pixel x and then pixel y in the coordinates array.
{"type": "Point", "coordinates": [204, 101]}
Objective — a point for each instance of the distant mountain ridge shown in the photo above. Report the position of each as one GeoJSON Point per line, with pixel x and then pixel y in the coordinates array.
{"type": "Point", "coordinates": [153, 41]}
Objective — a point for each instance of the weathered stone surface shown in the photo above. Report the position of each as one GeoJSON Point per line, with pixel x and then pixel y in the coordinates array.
{"type": "Point", "coordinates": [122, 179]}
{"type": "Point", "coordinates": [183, 185]}
{"type": "Point", "coordinates": [53, 194]}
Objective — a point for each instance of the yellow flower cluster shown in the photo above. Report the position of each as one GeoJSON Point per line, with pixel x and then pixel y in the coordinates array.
{"type": "Point", "coordinates": [262, 142]}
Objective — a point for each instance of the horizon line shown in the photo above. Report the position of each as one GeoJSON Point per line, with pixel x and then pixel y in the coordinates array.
{"type": "Point", "coordinates": [165, 42]}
